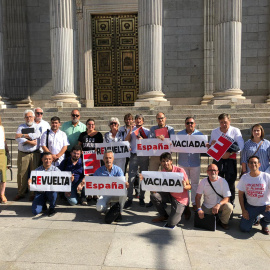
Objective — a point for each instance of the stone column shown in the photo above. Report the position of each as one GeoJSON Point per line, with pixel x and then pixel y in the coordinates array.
{"type": "Point", "coordinates": [208, 51]}
{"type": "Point", "coordinates": [227, 43]}
{"type": "Point", "coordinates": [62, 52]}
{"type": "Point", "coordinates": [2, 75]}
{"type": "Point", "coordinates": [150, 19]}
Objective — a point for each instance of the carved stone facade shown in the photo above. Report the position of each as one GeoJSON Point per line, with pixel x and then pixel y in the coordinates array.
{"type": "Point", "coordinates": [190, 52]}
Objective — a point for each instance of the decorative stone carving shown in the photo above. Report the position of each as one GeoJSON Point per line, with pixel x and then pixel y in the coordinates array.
{"type": "Point", "coordinates": [62, 51]}
{"type": "Point", "coordinates": [150, 17]}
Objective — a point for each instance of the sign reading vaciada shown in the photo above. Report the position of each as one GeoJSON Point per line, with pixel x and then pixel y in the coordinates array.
{"type": "Point", "coordinates": [50, 181]}
{"type": "Point", "coordinates": [162, 181]}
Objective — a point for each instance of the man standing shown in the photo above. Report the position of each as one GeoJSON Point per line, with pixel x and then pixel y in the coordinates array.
{"type": "Point", "coordinates": [55, 141]}
{"type": "Point", "coordinates": [41, 124]}
{"type": "Point", "coordinates": [178, 201]}
{"type": "Point", "coordinates": [191, 161]}
{"type": "Point", "coordinates": [73, 129]}
{"type": "Point", "coordinates": [74, 165]}
{"type": "Point", "coordinates": [137, 133]}
{"type": "Point", "coordinates": [41, 198]}
{"type": "Point", "coordinates": [227, 164]}
{"type": "Point", "coordinates": [216, 196]}
{"type": "Point", "coordinates": [256, 186]}
{"type": "Point", "coordinates": [28, 153]}
{"type": "Point", "coordinates": [109, 170]}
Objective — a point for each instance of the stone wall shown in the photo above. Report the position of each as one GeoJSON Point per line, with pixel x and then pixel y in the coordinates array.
{"type": "Point", "coordinates": [255, 49]}
{"type": "Point", "coordinates": [39, 49]}
{"type": "Point", "coordinates": [183, 48]}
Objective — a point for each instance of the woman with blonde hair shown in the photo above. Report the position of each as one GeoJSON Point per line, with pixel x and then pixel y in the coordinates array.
{"type": "Point", "coordinates": [3, 163]}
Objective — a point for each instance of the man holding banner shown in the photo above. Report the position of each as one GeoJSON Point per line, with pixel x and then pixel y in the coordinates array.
{"type": "Point", "coordinates": [41, 198]}
{"type": "Point", "coordinates": [110, 170]}
{"type": "Point", "coordinates": [178, 200]}
{"type": "Point", "coordinates": [191, 162]}
{"type": "Point", "coordinates": [227, 164]}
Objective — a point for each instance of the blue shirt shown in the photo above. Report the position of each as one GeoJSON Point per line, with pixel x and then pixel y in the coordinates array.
{"type": "Point", "coordinates": [52, 168]}
{"type": "Point", "coordinates": [102, 171]}
{"type": "Point", "coordinates": [189, 159]}
{"type": "Point", "coordinates": [263, 153]}
{"type": "Point", "coordinates": [77, 169]}
{"type": "Point", "coordinates": [153, 134]}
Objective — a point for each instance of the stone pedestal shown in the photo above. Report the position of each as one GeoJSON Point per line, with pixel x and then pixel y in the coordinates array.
{"type": "Point", "coordinates": [150, 53]}
{"type": "Point", "coordinates": [227, 43]}
{"type": "Point", "coordinates": [62, 52]}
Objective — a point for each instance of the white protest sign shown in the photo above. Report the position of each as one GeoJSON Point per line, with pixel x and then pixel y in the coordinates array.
{"type": "Point", "coordinates": [152, 147]}
{"type": "Point", "coordinates": [189, 143]}
{"type": "Point", "coordinates": [105, 185]}
{"type": "Point", "coordinates": [120, 149]}
{"type": "Point", "coordinates": [50, 181]}
{"type": "Point", "coordinates": [162, 181]}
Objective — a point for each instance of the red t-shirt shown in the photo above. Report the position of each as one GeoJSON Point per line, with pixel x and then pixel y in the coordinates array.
{"type": "Point", "coordinates": [183, 196]}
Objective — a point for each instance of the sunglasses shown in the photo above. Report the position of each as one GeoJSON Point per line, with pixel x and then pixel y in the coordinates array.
{"type": "Point", "coordinates": [41, 113]}
{"type": "Point", "coordinates": [161, 118]}
{"type": "Point", "coordinates": [113, 123]}
{"type": "Point", "coordinates": [75, 115]}
{"type": "Point", "coordinates": [189, 123]}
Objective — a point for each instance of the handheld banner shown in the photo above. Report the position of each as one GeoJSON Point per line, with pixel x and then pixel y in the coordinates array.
{"type": "Point", "coordinates": [217, 150]}
{"type": "Point", "coordinates": [140, 133]}
{"type": "Point", "coordinates": [162, 131]}
{"type": "Point", "coordinates": [152, 147]}
{"type": "Point", "coordinates": [189, 143]}
{"type": "Point", "coordinates": [50, 181]}
{"type": "Point", "coordinates": [120, 149]}
{"type": "Point", "coordinates": [162, 181]}
{"type": "Point", "coordinates": [104, 185]}
{"type": "Point", "coordinates": [90, 162]}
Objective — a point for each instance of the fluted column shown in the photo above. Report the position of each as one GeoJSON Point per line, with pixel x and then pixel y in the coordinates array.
{"type": "Point", "coordinates": [150, 18]}
{"type": "Point", "coordinates": [2, 78]}
{"type": "Point", "coordinates": [227, 43]}
{"type": "Point", "coordinates": [208, 51]}
{"type": "Point", "coordinates": [62, 50]}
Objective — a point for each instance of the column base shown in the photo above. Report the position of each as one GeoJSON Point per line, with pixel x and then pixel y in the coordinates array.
{"type": "Point", "coordinates": [230, 96]}
{"type": "Point", "coordinates": [64, 100]}
{"type": "Point", "coordinates": [206, 99]}
{"type": "Point", "coordinates": [23, 103]}
{"type": "Point", "coordinates": [89, 103]}
{"type": "Point", "coordinates": [268, 99]}
{"type": "Point", "coordinates": [153, 98]}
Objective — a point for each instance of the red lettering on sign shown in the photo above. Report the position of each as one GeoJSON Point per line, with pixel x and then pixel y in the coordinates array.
{"type": "Point", "coordinates": [39, 180]}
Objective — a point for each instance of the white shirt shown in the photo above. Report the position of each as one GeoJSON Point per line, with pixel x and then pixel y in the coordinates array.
{"type": "Point", "coordinates": [42, 127]}
{"type": "Point", "coordinates": [232, 132]}
{"type": "Point", "coordinates": [56, 142]}
{"type": "Point", "coordinates": [210, 197]}
{"type": "Point", "coordinates": [34, 136]}
{"type": "Point", "coordinates": [124, 131]}
{"type": "Point", "coordinates": [257, 189]}
{"type": "Point", "coordinates": [2, 142]}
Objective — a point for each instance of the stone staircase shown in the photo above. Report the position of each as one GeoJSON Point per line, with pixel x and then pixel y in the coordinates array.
{"type": "Point", "coordinates": [242, 116]}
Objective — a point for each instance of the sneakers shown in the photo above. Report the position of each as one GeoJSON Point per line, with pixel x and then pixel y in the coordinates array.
{"type": "Point", "coordinates": [159, 219]}
{"type": "Point", "coordinates": [142, 203]}
{"type": "Point", "coordinates": [265, 231]}
{"type": "Point", "coordinates": [52, 212]}
{"type": "Point", "coordinates": [18, 197]}
{"type": "Point", "coordinates": [224, 226]}
{"type": "Point", "coordinates": [119, 218]}
{"type": "Point", "coordinates": [128, 203]}
{"type": "Point", "coordinates": [84, 201]}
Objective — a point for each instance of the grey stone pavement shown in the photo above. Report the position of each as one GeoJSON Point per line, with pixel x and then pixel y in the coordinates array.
{"type": "Point", "coordinates": [77, 238]}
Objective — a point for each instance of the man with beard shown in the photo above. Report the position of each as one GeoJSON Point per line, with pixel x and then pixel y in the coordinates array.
{"type": "Point", "coordinates": [74, 165]}
{"type": "Point", "coordinates": [28, 153]}
{"type": "Point", "coordinates": [55, 141]}
{"type": "Point", "coordinates": [73, 129]}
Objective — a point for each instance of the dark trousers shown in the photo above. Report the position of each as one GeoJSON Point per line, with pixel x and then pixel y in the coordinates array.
{"type": "Point", "coordinates": [227, 169]}
{"type": "Point", "coordinates": [41, 198]}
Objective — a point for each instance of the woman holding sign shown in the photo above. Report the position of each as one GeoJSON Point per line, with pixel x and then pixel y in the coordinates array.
{"type": "Point", "coordinates": [114, 135]}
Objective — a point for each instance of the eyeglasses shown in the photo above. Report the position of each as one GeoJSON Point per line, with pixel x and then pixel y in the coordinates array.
{"type": "Point", "coordinates": [41, 113]}
{"type": "Point", "coordinates": [113, 123]}
{"type": "Point", "coordinates": [75, 115]}
{"type": "Point", "coordinates": [160, 118]}
{"type": "Point", "coordinates": [189, 123]}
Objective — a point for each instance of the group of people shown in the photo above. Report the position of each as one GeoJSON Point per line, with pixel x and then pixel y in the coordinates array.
{"type": "Point", "coordinates": [44, 146]}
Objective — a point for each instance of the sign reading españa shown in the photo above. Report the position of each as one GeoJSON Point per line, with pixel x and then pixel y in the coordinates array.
{"type": "Point", "coordinates": [152, 147]}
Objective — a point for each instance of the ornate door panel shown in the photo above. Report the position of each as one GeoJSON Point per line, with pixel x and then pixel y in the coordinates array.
{"type": "Point", "coordinates": [115, 59]}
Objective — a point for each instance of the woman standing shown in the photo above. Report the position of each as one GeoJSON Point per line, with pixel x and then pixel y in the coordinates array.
{"type": "Point", "coordinates": [256, 146]}
{"type": "Point", "coordinates": [114, 135]}
{"type": "Point", "coordinates": [90, 137]}
{"type": "Point", "coordinates": [3, 163]}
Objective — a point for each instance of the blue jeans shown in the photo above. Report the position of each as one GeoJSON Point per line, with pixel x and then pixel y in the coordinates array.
{"type": "Point", "coordinates": [73, 199]}
{"type": "Point", "coordinates": [41, 198]}
{"type": "Point", "coordinates": [254, 211]}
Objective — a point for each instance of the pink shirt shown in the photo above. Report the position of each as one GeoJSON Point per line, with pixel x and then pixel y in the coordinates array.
{"type": "Point", "coordinates": [183, 196]}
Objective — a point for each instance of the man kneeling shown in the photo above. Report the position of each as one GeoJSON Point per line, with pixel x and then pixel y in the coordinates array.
{"type": "Point", "coordinates": [178, 200]}
{"type": "Point", "coordinates": [110, 170]}
{"type": "Point", "coordinates": [216, 196]}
